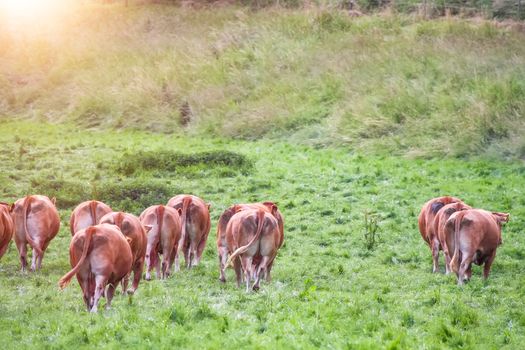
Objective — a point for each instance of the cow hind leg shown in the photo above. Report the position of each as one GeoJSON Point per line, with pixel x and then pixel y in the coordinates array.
{"type": "Point", "coordinates": [193, 255]}
{"type": "Point", "coordinates": [435, 256]}
{"type": "Point", "coordinates": [110, 292]}
{"type": "Point", "coordinates": [100, 286]}
{"type": "Point", "coordinates": [488, 264]}
{"type": "Point", "coordinates": [176, 260]}
{"type": "Point", "coordinates": [39, 260]}
{"type": "Point", "coordinates": [22, 249]}
{"type": "Point", "coordinates": [124, 282]}
{"type": "Point", "coordinates": [84, 285]}
{"type": "Point", "coordinates": [237, 268]}
{"type": "Point", "coordinates": [33, 260]}
{"type": "Point", "coordinates": [166, 265]}
{"type": "Point", "coordinates": [463, 268]}
{"type": "Point", "coordinates": [268, 270]}
{"type": "Point", "coordinates": [246, 262]}
{"type": "Point", "coordinates": [3, 249]}
{"type": "Point", "coordinates": [448, 270]}
{"type": "Point", "coordinates": [223, 259]}
{"type": "Point", "coordinates": [157, 266]}
{"type": "Point", "coordinates": [186, 251]}
{"type": "Point", "coordinates": [261, 271]}
{"type": "Point", "coordinates": [200, 249]}
{"type": "Point", "coordinates": [137, 274]}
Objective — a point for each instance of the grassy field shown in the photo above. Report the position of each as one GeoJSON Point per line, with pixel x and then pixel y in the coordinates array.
{"type": "Point", "coordinates": [333, 118]}
{"type": "Point", "coordinates": [328, 290]}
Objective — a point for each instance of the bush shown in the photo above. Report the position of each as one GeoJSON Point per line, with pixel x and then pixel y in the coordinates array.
{"type": "Point", "coordinates": [220, 163]}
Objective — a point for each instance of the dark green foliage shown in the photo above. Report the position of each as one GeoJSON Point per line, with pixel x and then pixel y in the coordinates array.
{"type": "Point", "coordinates": [135, 195]}
{"type": "Point", "coordinates": [223, 163]}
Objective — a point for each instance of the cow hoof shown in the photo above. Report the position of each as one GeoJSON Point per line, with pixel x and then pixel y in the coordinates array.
{"type": "Point", "coordinates": [222, 279]}
{"type": "Point", "coordinates": [255, 288]}
{"type": "Point", "coordinates": [131, 291]}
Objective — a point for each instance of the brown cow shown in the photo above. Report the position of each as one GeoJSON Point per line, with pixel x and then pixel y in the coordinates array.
{"type": "Point", "coordinates": [439, 228]}
{"type": "Point", "coordinates": [164, 234]}
{"type": "Point", "coordinates": [131, 227]}
{"type": "Point", "coordinates": [426, 224]}
{"type": "Point", "coordinates": [251, 233]}
{"type": "Point", "coordinates": [87, 214]}
{"type": "Point", "coordinates": [37, 223]}
{"type": "Point", "coordinates": [100, 256]}
{"type": "Point", "coordinates": [6, 227]}
{"type": "Point", "coordinates": [222, 246]}
{"type": "Point", "coordinates": [473, 235]}
{"type": "Point", "coordinates": [195, 219]}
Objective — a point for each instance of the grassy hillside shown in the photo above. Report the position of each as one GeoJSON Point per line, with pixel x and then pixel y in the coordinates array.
{"type": "Point", "coordinates": [328, 291]}
{"type": "Point", "coordinates": [382, 84]}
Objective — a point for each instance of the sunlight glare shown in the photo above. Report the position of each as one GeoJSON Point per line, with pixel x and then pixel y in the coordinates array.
{"type": "Point", "coordinates": [25, 14]}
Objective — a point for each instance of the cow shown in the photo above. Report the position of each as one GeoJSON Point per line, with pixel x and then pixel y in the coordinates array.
{"type": "Point", "coordinates": [195, 220]}
{"type": "Point", "coordinates": [473, 235]}
{"type": "Point", "coordinates": [164, 225]}
{"type": "Point", "coordinates": [100, 257]}
{"type": "Point", "coordinates": [6, 227]}
{"type": "Point", "coordinates": [37, 223]}
{"type": "Point", "coordinates": [439, 228]}
{"type": "Point", "coordinates": [426, 224]}
{"type": "Point", "coordinates": [87, 214]}
{"type": "Point", "coordinates": [251, 233]}
{"type": "Point", "coordinates": [131, 227]}
{"type": "Point", "coordinates": [225, 217]}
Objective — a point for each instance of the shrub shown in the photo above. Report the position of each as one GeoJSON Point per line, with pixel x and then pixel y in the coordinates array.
{"type": "Point", "coordinates": [222, 163]}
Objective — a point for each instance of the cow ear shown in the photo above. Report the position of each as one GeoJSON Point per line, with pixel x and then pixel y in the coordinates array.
{"type": "Point", "coordinates": [236, 208]}
{"type": "Point", "coordinates": [179, 210]}
{"type": "Point", "coordinates": [209, 206]}
{"type": "Point", "coordinates": [12, 207]}
{"type": "Point", "coordinates": [501, 217]}
{"type": "Point", "coordinates": [54, 200]}
{"type": "Point", "coordinates": [274, 210]}
{"type": "Point", "coordinates": [147, 228]}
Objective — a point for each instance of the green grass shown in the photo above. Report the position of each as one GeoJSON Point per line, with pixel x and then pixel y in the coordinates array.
{"type": "Point", "coordinates": [328, 290]}
{"type": "Point", "coordinates": [381, 84]}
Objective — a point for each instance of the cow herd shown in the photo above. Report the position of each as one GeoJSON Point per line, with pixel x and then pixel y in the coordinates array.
{"type": "Point", "coordinates": [107, 247]}
{"type": "Point", "coordinates": [465, 235]}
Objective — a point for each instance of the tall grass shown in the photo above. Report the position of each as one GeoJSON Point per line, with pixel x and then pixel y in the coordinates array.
{"type": "Point", "coordinates": [386, 83]}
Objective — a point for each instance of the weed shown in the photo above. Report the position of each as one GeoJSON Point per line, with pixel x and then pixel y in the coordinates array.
{"type": "Point", "coordinates": [371, 226]}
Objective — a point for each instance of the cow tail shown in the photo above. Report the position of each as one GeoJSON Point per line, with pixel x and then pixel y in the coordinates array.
{"type": "Point", "coordinates": [186, 202]}
{"type": "Point", "coordinates": [241, 250]}
{"type": "Point", "coordinates": [454, 263]}
{"type": "Point", "coordinates": [25, 214]}
{"type": "Point", "coordinates": [64, 281]}
{"type": "Point", "coordinates": [160, 217]}
{"type": "Point", "coordinates": [93, 211]}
